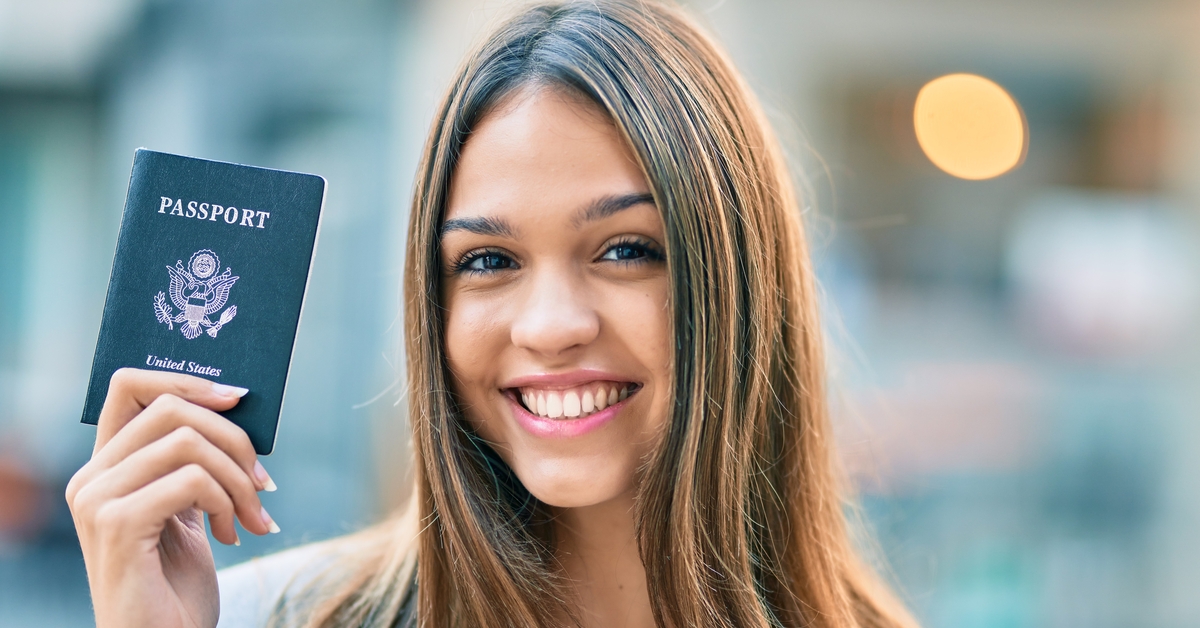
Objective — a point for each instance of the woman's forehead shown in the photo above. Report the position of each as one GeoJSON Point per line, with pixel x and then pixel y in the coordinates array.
{"type": "Point", "coordinates": [542, 150]}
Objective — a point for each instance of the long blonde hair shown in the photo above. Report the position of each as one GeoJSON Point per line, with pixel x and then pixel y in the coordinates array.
{"type": "Point", "coordinates": [740, 511]}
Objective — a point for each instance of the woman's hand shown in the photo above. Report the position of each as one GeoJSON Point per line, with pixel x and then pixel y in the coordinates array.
{"type": "Point", "coordinates": [162, 456]}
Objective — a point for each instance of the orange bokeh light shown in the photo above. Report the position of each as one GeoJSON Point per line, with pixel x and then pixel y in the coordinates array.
{"type": "Point", "coordinates": [969, 126]}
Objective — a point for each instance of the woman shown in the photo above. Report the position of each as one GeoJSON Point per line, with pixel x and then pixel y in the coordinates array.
{"type": "Point", "coordinates": [615, 369]}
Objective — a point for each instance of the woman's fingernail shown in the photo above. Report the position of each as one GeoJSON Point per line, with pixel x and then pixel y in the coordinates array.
{"type": "Point", "coordinates": [271, 525]}
{"type": "Point", "coordinates": [225, 390]}
{"type": "Point", "coordinates": [263, 478]}
{"type": "Point", "coordinates": [237, 541]}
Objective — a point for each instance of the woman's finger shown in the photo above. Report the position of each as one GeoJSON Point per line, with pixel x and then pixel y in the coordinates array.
{"type": "Point", "coordinates": [163, 416]}
{"type": "Point", "coordinates": [141, 515]}
{"type": "Point", "coordinates": [131, 390]}
{"type": "Point", "coordinates": [181, 447]}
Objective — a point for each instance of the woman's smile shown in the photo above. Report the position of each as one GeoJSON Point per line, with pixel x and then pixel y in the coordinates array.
{"type": "Point", "coordinates": [569, 404]}
{"type": "Point", "coordinates": [574, 403]}
{"type": "Point", "coordinates": [570, 394]}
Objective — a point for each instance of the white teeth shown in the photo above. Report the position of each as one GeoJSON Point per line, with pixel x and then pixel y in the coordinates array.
{"type": "Point", "coordinates": [554, 405]}
{"type": "Point", "coordinates": [574, 403]}
{"type": "Point", "coordinates": [571, 404]}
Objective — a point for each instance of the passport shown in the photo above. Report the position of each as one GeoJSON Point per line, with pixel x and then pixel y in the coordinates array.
{"type": "Point", "coordinates": [209, 277]}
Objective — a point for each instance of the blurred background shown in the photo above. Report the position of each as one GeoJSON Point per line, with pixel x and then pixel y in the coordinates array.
{"type": "Point", "coordinates": [1014, 355]}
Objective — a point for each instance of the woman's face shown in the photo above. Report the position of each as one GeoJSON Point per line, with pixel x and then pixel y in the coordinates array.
{"type": "Point", "coordinates": [556, 292]}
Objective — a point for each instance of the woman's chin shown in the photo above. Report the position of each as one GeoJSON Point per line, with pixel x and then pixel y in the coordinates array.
{"type": "Point", "coordinates": [575, 490]}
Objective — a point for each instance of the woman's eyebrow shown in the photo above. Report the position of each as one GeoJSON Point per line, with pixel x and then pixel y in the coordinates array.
{"type": "Point", "coordinates": [606, 206]}
{"type": "Point", "coordinates": [480, 225]}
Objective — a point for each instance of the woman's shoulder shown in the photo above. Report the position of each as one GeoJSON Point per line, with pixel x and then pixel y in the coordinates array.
{"type": "Point", "coordinates": [252, 590]}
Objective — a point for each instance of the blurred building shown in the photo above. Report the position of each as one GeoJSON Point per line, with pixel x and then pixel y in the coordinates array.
{"type": "Point", "coordinates": [1014, 359]}
{"type": "Point", "coordinates": [303, 86]}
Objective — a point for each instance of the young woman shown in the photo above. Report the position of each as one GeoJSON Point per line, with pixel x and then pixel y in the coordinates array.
{"type": "Point", "coordinates": [616, 385]}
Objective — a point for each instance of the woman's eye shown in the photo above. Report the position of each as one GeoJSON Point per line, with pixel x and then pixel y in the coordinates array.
{"type": "Point", "coordinates": [486, 261]}
{"type": "Point", "coordinates": [631, 252]}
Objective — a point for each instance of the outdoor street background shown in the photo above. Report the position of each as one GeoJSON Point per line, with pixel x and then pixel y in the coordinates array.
{"type": "Point", "coordinates": [1015, 364]}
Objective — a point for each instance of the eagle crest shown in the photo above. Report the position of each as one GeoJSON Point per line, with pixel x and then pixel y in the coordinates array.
{"type": "Point", "coordinates": [197, 291]}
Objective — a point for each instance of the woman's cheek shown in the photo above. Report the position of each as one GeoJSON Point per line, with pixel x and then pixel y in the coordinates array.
{"type": "Point", "coordinates": [475, 340]}
{"type": "Point", "coordinates": [644, 327]}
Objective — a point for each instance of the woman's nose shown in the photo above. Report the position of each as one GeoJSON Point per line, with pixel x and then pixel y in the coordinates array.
{"type": "Point", "coordinates": [556, 316]}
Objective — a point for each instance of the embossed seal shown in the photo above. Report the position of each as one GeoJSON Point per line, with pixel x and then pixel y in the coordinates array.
{"type": "Point", "coordinates": [197, 291]}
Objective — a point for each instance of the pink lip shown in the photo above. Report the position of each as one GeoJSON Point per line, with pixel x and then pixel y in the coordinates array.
{"type": "Point", "coordinates": [552, 381]}
{"type": "Point", "coordinates": [562, 428]}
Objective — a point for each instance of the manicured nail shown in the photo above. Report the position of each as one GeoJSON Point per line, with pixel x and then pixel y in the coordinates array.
{"type": "Point", "coordinates": [271, 525]}
{"type": "Point", "coordinates": [236, 541]}
{"type": "Point", "coordinates": [263, 478]}
{"type": "Point", "coordinates": [226, 390]}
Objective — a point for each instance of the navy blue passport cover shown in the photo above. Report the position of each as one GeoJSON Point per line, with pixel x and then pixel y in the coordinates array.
{"type": "Point", "coordinates": [209, 276]}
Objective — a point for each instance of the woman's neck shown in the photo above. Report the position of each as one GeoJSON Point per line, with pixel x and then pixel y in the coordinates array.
{"type": "Point", "coordinates": [597, 547]}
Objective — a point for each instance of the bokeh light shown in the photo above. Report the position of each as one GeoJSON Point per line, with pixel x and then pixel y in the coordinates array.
{"type": "Point", "coordinates": [969, 126]}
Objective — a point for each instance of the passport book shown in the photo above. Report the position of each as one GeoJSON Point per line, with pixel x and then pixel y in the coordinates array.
{"type": "Point", "coordinates": [208, 279]}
